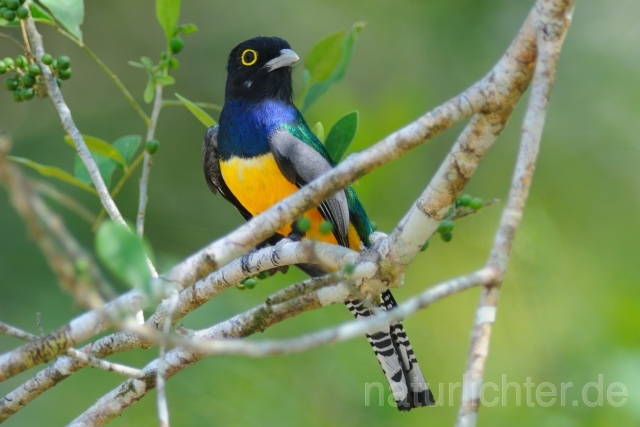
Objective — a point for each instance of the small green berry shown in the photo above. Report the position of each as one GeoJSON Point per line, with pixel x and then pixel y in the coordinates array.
{"type": "Point", "coordinates": [425, 246]}
{"type": "Point", "coordinates": [34, 70]}
{"type": "Point", "coordinates": [17, 95]}
{"type": "Point", "coordinates": [22, 12]}
{"type": "Point", "coordinates": [59, 82]}
{"type": "Point", "coordinates": [152, 146]}
{"type": "Point", "coordinates": [8, 61]}
{"type": "Point", "coordinates": [63, 62]}
{"type": "Point", "coordinates": [47, 59]}
{"type": "Point", "coordinates": [176, 45]}
{"type": "Point", "coordinates": [476, 203]}
{"type": "Point", "coordinates": [263, 275]}
{"type": "Point", "coordinates": [303, 224]}
{"type": "Point", "coordinates": [446, 226]}
{"type": "Point", "coordinates": [12, 4]}
{"type": "Point", "coordinates": [3, 67]}
{"type": "Point", "coordinates": [9, 15]}
{"type": "Point", "coordinates": [11, 83]}
{"type": "Point", "coordinates": [250, 283]}
{"type": "Point", "coordinates": [26, 93]}
{"type": "Point", "coordinates": [326, 227]}
{"type": "Point", "coordinates": [447, 236]}
{"type": "Point", "coordinates": [22, 1]}
{"type": "Point", "coordinates": [465, 199]}
{"type": "Point", "coordinates": [21, 61]}
{"type": "Point", "coordinates": [241, 286]}
{"type": "Point", "coordinates": [27, 80]}
{"type": "Point", "coordinates": [64, 74]}
{"type": "Point", "coordinates": [173, 62]}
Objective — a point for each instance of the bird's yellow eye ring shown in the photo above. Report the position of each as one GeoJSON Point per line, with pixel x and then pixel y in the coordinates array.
{"type": "Point", "coordinates": [249, 57]}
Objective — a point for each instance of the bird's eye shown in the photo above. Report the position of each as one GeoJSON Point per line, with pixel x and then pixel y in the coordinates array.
{"type": "Point", "coordinates": [249, 57]}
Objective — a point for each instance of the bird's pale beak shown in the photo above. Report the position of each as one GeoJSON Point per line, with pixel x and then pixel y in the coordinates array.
{"type": "Point", "coordinates": [286, 58]}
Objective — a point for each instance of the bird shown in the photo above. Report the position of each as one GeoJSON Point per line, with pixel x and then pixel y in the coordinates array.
{"type": "Point", "coordinates": [262, 151]}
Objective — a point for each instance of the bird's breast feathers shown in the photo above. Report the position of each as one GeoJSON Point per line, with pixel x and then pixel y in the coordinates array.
{"type": "Point", "coordinates": [258, 184]}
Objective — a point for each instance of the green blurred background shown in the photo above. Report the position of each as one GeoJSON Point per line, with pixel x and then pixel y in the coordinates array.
{"type": "Point", "coordinates": [569, 310]}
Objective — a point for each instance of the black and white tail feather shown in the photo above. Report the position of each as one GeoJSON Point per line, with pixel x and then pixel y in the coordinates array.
{"type": "Point", "coordinates": [399, 363]}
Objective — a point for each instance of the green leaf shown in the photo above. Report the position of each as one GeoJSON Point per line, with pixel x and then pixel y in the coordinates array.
{"type": "Point", "coordinates": [106, 167]}
{"type": "Point", "coordinates": [198, 112]}
{"type": "Point", "coordinates": [318, 131]}
{"type": "Point", "coordinates": [99, 146]}
{"type": "Point", "coordinates": [187, 28]}
{"type": "Point", "coordinates": [325, 56]}
{"type": "Point", "coordinates": [168, 13]}
{"type": "Point", "coordinates": [127, 146]}
{"type": "Point", "coordinates": [341, 135]}
{"type": "Point", "coordinates": [147, 96]}
{"type": "Point", "coordinates": [53, 172]}
{"type": "Point", "coordinates": [164, 80]}
{"type": "Point", "coordinates": [123, 253]}
{"type": "Point", "coordinates": [70, 13]}
{"type": "Point", "coordinates": [39, 14]}
{"type": "Point", "coordinates": [136, 64]}
{"type": "Point", "coordinates": [147, 62]}
{"type": "Point", "coordinates": [327, 63]}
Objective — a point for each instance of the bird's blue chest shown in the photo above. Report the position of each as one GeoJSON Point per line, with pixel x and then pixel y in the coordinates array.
{"type": "Point", "coordinates": [245, 127]}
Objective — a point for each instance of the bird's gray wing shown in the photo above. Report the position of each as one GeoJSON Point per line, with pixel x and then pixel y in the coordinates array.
{"type": "Point", "coordinates": [301, 164]}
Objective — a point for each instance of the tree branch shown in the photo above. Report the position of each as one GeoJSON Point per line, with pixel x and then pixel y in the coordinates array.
{"type": "Point", "coordinates": [208, 341]}
{"type": "Point", "coordinates": [491, 101]}
{"type": "Point", "coordinates": [287, 253]}
{"type": "Point", "coordinates": [552, 20]}
{"type": "Point", "coordinates": [70, 127]}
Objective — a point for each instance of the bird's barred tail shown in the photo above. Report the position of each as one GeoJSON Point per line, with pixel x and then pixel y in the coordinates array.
{"type": "Point", "coordinates": [394, 352]}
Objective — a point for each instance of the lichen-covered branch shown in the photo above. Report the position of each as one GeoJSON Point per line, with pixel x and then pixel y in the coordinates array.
{"type": "Point", "coordinates": [287, 253]}
{"type": "Point", "coordinates": [551, 26]}
{"type": "Point", "coordinates": [216, 340]}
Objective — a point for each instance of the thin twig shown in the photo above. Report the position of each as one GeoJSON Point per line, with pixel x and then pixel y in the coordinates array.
{"type": "Point", "coordinates": [146, 168]}
{"type": "Point", "coordinates": [69, 202]}
{"type": "Point", "coordinates": [117, 368]}
{"type": "Point", "coordinates": [20, 45]}
{"type": "Point", "coordinates": [121, 87]}
{"type": "Point", "coordinates": [163, 407]}
{"type": "Point", "coordinates": [70, 127]}
{"type": "Point", "coordinates": [12, 331]}
{"type": "Point", "coordinates": [116, 189]}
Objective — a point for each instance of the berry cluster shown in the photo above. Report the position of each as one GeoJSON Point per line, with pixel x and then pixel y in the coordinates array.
{"type": "Point", "coordinates": [12, 9]}
{"type": "Point", "coordinates": [463, 206]}
{"type": "Point", "coordinates": [28, 80]}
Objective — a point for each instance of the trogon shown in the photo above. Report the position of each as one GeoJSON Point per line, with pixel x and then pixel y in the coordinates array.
{"type": "Point", "coordinates": [263, 151]}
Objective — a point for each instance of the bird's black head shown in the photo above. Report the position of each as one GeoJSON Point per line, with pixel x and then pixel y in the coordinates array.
{"type": "Point", "coordinates": [260, 68]}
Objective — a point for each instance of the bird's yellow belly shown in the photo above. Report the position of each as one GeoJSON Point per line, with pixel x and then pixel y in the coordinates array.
{"type": "Point", "coordinates": [258, 184]}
